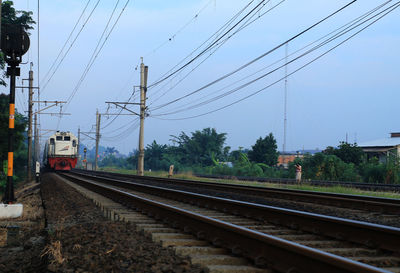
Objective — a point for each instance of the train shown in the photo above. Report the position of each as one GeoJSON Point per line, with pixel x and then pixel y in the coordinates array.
{"type": "Point", "coordinates": [61, 152]}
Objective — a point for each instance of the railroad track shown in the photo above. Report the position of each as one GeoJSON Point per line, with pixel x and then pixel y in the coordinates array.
{"type": "Point", "coordinates": [357, 185]}
{"type": "Point", "coordinates": [281, 239]}
{"type": "Point", "coordinates": [371, 209]}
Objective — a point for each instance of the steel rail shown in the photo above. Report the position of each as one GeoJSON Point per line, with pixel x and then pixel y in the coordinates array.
{"type": "Point", "coordinates": [265, 250]}
{"type": "Point", "coordinates": [358, 185]}
{"type": "Point", "coordinates": [376, 204]}
{"type": "Point", "coordinates": [369, 234]}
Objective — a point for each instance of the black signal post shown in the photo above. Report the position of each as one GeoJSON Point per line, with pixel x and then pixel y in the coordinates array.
{"type": "Point", "coordinates": [14, 44]}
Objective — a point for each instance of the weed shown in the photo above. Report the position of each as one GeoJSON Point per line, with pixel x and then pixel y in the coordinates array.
{"type": "Point", "coordinates": [54, 252]}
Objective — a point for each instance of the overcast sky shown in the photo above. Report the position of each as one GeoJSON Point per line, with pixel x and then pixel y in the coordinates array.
{"type": "Point", "coordinates": [353, 90]}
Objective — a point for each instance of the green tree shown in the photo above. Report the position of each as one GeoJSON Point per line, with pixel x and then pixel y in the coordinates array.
{"type": "Point", "coordinates": [11, 16]}
{"type": "Point", "coordinates": [155, 157]}
{"type": "Point", "coordinates": [200, 147]}
{"type": "Point", "coordinates": [349, 153]}
{"type": "Point", "coordinates": [265, 151]}
{"type": "Point", "coordinates": [325, 167]}
{"type": "Point", "coordinates": [20, 151]}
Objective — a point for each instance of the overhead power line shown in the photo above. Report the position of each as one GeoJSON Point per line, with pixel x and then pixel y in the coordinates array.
{"type": "Point", "coordinates": [334, 35]}
{"type": "Point", "coordinates": [380, 15]}
{"type": "Point", "coordinates": [96, 53]}
{"type": "Point", "coordinates": [254, 60]}
{"type": "Point", "coordinates": [66, 42]}
{"type": "Point", "coordinates": [208, 47]}
{"type": "Point", "coordinates": [183, 27]}
{"type": "Point", "coordinates": [214, 48]}
{"type": "Point", "coordinates": [69, 48]}
{"type": "Point", "coordinates": [210, 39]}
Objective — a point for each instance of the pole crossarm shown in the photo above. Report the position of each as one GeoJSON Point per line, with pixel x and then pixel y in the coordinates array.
{"type": "Point", "coordinates": [106, 114]}
{"type": "Point", "coordinates": [118, 104]}
{"type": "Point", "coordinates": [49, 101]}
{"type": "Point", "coordinates": [53, 103]}
{"type": "Point", "coordinates": [54, 114]}
{"type": "Point", "coordinates": [23, 87]}
{"type": "Point", "coordinates": [87, 134]}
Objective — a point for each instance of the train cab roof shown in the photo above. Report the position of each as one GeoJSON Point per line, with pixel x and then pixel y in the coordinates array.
{"type": "Point", "coordinates": [66, 136]}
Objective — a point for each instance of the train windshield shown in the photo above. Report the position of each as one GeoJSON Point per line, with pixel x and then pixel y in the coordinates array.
{"type": "Point", "coordinates": [67, 138]}
{"type": "Point", "coordinates": [58, 137]}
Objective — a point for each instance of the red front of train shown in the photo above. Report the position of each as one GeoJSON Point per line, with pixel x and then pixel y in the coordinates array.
{"type": "Point", "coordinates": [62, 163]}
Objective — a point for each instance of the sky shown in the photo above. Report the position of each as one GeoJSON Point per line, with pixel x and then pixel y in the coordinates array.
{"type": "Point", "coordinates": [350, 91]}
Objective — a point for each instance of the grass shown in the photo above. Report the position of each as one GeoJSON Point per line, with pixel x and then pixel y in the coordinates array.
{"type": "Point", "coordinates": [328, 189]}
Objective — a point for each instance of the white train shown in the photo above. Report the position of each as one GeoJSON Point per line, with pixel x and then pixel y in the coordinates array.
{"type": "Point", "coordinates": [61, 151]}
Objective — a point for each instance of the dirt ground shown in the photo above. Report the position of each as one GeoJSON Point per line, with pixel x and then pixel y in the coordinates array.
{"type": "Point", "coordinates": [24, 255]}
{"type": "Point", "coordinates": [73, 236]}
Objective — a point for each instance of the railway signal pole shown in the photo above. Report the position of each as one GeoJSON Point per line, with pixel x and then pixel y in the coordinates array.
{"type": "Point", "coordinates": [14, 44]}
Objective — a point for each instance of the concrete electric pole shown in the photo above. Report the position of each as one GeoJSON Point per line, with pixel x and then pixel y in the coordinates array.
{"type": "Point", "coordinates": [36, 140]}
{"type": "Point", "coordinates": [79, 142]}
{"type": "Point", "coordinates": [143, 89]}
{"type": "Point", "coordinates": [98, 116]}
{"type": "Point", "coordinates": [30, 103]}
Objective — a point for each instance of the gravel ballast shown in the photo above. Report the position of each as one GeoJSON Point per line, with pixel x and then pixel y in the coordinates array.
{"type": "Point", "coordinates": [66, 232]}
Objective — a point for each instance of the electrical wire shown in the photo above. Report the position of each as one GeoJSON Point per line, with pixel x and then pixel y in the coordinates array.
{"type": "Point", "coordinates": [73, 42]}
{"type": "Point", "coordinates": [66, 42]}
{"type": "Point", "coordinates": [90, 64]}
{"type": "Point", "coordinates": [254, 60]}
{"type": "Point", "coordinates": [207, 48]}
{"type": "Point", "coordinates": [339, 32]}
{"type": "Point", "coordinates": [217, 46]}
{"type": "Point", "coordinates": [127, 132]}
{"type": "Point", "coordinates": [215, 34]}
{"type": "Point", "coordinates": [120, 111]}
{"type": "Point", "coordinates": [388, 10]}
{"type": "Point", "coordinates": [183, 27]}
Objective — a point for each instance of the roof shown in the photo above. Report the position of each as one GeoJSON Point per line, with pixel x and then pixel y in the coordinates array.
{"type": "Point", "coordinates": [383, 142]}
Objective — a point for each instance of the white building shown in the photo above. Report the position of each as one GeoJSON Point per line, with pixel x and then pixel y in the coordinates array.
{"type": "Point", "coordinates": [382, 148]}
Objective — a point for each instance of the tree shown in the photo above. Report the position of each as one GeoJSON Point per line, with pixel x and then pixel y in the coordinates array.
{"type": "Point", "coordinates": [11, 16]}
{"type": "Point", "coordinates": [349, 153]}
{"type": "Point", "coordinates": [200, 147]}
{"type": "Point", "coordinates": [265, 151]}
{"type": "Point", "coordinates": [19, 136]}
{"type": "Point", "coordinates": [110, 151]}
{"type": "Point", "coordinates": [155, 157]}
{"type": "Point", "coordinates": [321, 166]}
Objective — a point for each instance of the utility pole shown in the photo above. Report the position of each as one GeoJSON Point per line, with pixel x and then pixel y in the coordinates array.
{"type": "Point", "coordinates": [35, 144]}
{"type": "Point", "coordinates": [79, 141]}
{"type": "Point", "coordinates": [98, 116]}
{"type": "Point", "coordinates": [285, 103]}
{"type": "Point", "coordinates": [30, 103]}
{"type": "Point", "coordinates": [36, 127]}
{"type": "Point", "coordinates": [143, 89]}
{"type": "Point", "coordinates": [30, 114]}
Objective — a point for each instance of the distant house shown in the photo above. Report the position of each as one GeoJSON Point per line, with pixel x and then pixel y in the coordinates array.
{"type": "Point", "coordinates": [285, 159]}
{"type": "Point", "coordinates": [382, 148]}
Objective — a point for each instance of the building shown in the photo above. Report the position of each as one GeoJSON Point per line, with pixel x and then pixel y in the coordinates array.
{"type": "Point", "coordinates": [382, 148]}
{"type": "Point", "coordinates": [285, 159]}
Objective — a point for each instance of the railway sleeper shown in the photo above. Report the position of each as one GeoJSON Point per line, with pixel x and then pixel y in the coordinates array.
{"type": "Point", "coordinates": [216, 260]}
